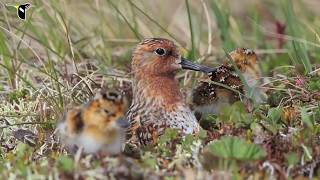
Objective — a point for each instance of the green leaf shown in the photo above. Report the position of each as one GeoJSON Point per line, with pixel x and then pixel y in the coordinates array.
{"type": "Point", "coordinates": [169, 135]}
{"type": "Point", "coordinates": [236, 148]}
{"type": "Point", "coordinates": [65, 163]}
{"type": "Point", "coordinates": [292, 158]}
{"type": "Point", "coordinates": [274, 114]}
{"type": "Point", "coordinates": [187, 142]}
{"type": "Point", "coordinates": [314, 84]}
{"type": "Point", "coordinates": [208, 122]}
{"type": "Point", "coordinates": [202, 134]}
{"type": "Point", "coordinates": [149, 161]}
{"type": "Point", "coordinates": [21, 150]}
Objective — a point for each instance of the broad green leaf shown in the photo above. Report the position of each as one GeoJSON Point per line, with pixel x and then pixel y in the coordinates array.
{"type": "Point", "coordinates": [274, 114]}
{"type": "Point", "coordinates": [236, 148]}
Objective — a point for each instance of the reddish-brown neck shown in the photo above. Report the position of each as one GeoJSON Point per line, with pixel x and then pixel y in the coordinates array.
{"type": "Point", "coordinates": [165, 87]}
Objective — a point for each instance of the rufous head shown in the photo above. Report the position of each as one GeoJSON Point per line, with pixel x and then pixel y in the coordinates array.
{"type": "Point", "coordinates": [160, 57]}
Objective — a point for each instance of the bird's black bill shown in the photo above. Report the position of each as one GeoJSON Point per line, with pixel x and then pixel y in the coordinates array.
{"type": "Point", "coordinates": [186, 64]}
{"type": "Point", "coordinates": [123, 123]}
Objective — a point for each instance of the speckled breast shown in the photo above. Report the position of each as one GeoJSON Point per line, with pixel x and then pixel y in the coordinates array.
{"type": "Point", "coordinates": [149, 121]}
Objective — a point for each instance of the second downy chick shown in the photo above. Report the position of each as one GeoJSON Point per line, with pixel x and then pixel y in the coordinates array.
{"type": "Point", "coordinates": [209, 98]}
{"type": "Point", "coordinates": [97, 126]}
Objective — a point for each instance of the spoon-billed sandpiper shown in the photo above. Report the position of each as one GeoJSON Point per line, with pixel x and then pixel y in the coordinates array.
{"type": "Point", "coordinates": [157, 101]}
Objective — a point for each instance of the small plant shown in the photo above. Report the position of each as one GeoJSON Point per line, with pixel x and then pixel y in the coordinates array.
{"type": "Point", "coordinates": [236, 115]}
{"type": "Point", "coordinates": [273, 120]}
{"type": "Point", "coordinates": [15, 95]}
{"type": "Point", "coordinates": [167, 142]}
{"type": "Point", "coordinates": [274, 114]}
{"type": "Point", "coordinates": [275, 98]}
{"type": "Point", "coordinates": [314, 84]}
{"type": "Point", "coordinates": [66, 164]}
{"type": "Point", "coordinates": [209, 122]}
{"type": "Point", "coordinates": [149, 160]}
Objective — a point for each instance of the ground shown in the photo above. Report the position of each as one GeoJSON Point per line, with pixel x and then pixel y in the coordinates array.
{"type": "Point", "coordinates": [65, 50]}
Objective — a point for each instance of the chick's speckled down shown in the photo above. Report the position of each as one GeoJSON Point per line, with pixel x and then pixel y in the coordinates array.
{"type": "Point", "coordinates": [224, 86]}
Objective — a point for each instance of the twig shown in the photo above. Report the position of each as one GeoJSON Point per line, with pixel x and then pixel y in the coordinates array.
{"type": "Point", "coordinates": [314, 71]}
{"type": "Point", "coordinates": [25, 123]}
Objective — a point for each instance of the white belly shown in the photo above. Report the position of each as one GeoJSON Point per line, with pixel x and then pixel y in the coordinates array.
{"type": "Point", "coordinates": [183, 119]}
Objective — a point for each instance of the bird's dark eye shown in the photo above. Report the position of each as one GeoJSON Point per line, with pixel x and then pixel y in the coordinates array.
{"type": "Point", "coordinates": [160, 51]}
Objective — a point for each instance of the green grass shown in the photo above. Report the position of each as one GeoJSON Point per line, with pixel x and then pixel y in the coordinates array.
{"type": "Point", "coordinates": [300, 50]}
{"type": "Point", "coordinates": [44, 69]}
{"type": "Point", "coordinates": [222, 16]}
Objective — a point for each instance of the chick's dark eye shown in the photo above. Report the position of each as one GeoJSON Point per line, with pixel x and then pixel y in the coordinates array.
{"type": "Point", "coordinates": [160, 51]}
{"type": "Point", "coordinates": [106, 111]}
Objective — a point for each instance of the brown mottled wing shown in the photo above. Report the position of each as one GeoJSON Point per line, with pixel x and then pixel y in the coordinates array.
{"type": "Point", "coordinates": [143, 130]}
{"type": "Point", "coordinates": [134, 122]}
{"type": "Point", "coordinates": [136, 127]}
